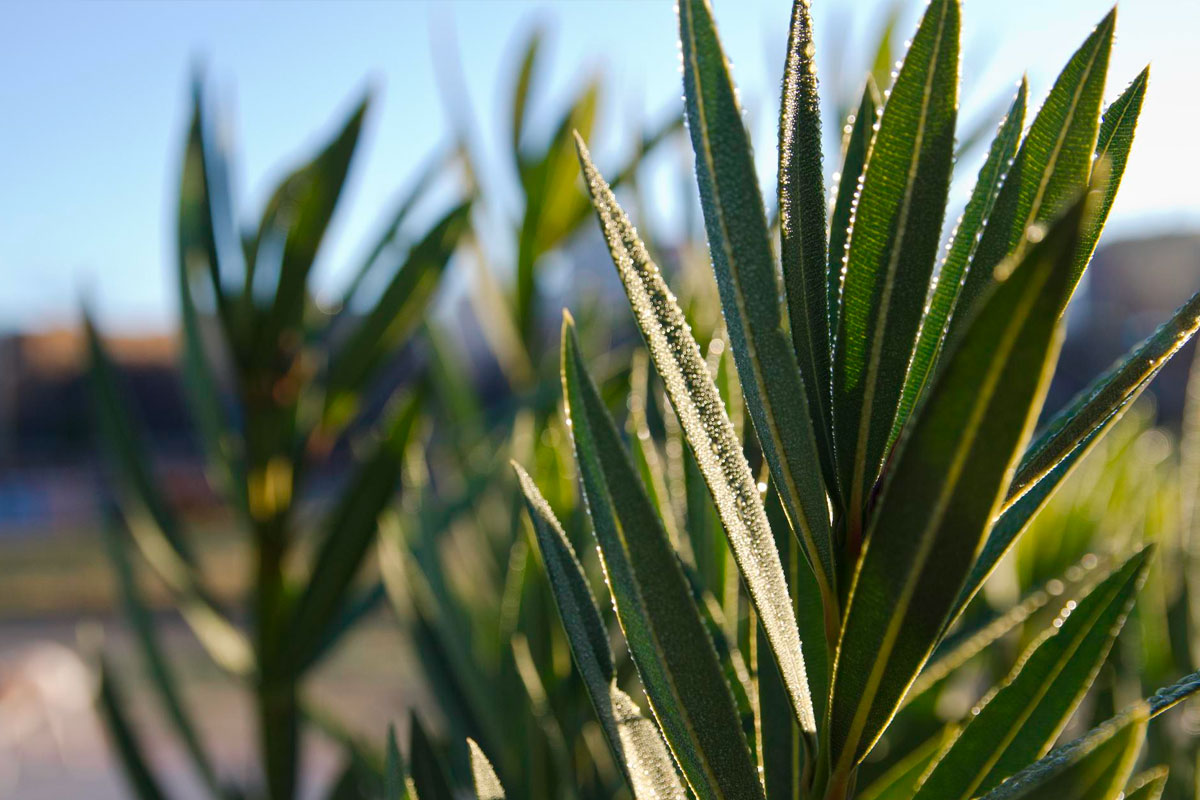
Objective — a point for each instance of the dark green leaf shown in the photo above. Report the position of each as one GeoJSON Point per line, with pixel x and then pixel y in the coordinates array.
{"type": "Point", "coordinates": [113, 710]}
{"type": "Point", "coordinates": [295, 220]}
{"type": "Point", "coordinates": [962, 247]}
{"type": "Point", "coordinates": [802, 227]}
{"type": "Point", "coordinates": [893, 245]}
{"type": "Point", "coordinates": [520, 99]}
{"type": "Point", "coordinates": [948, 478]}
{"type": "Point", "coordinates": [1020, 720]}
{"type": "Point", "coordinates": [161, 674]}
{"type": "Point", "coordinates": [710, 437]}
{"type": "Point", "coordinates": [425, 765]}
{"type": "Point", "coordinates": [745, 272]}
{"type": "Point", "coordinates": [395, 782]}
{"type": "Point", "coordinates": [1170, 696]}
{"type": "Point", "coordinates": [667, 638]}
{"type": "Point", "coordinates": [1104, 400]}
{"type": "Point", "coordinates": [1094, 767]}
{"type": "Point", "coordinates": [1112, 146]}
{"type": "Point", "coordinates": [900, 782]}
{"type": "Point", "coordinates": [1051, 167]}
{"type": "Point", "coordinates": [349, 532]}
{"type": "Point", "coordinates": [393, 318]}
{"type": "Point", "coordinates": [859, 132]}
{"type": "Point", "coordinates": [636, 743]}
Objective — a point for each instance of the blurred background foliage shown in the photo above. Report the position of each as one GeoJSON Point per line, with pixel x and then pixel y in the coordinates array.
{"type": "Point", "coordinates": [364, 526]}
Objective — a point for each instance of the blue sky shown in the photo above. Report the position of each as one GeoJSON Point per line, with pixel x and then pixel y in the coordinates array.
{"type": "Point", "coordinates": [94, 105]}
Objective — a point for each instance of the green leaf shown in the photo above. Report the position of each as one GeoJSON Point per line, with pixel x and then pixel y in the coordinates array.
{"type": "Point", "coordinates": [710, 437]}
{"type": "Point", "coordinates": [396, 784]}
{"type": "Point", "coordinates": [1014, 519]}
{"type": "Point", "coordinates": [295, 220]}
{"type": "Point", "coordinates": [162, 676]}
{"type": "Point", "coordinates": [487, 784]}
{"type": "Point", "coordinates": [955, 651]}
{"type": "Point", "coordinates": [434, 167]}
{"type": "Point", "coordinates": [802, 227]}
{"type": "Point", "coordinates": [428, 773]}
{"type": "Point", "coordinates": [948, 478]}
{"type": "Point", "coordinates": [1051, 167]}
{"type": "Point", "coordinates": [393, 318]}
{"type": "Point", "coordinates": [894, 240]}
{"type": "Point", "coordinates": [667, 638]}
{"type": "Point", "coordinates": [205, 206]}
{"type": "Point", "coordinates": [520, 100]}
{"type": "Point", "coordinates": [637, 745]}
{"type": "Point", "coordinates": [900, 781]}
{"type": "Point", "coordinates": [859, 133]}
{"type": "Point", "coordinates": [1104, 400]}
{"type": "Point", "coordinates": [1113, 142]}
{"type": "Point", "coordinates": [963, 244]}
{"type": "Point", "coordinates": [112, 708]}
{"type": "Point", "coordinates": [1170, 696]}
{"type": "Point", "coordinates": [745, 272]}
{"type": "Point", "coordinates": [349, 533]}
{"type": "Point", "coordinates": [1147, 785]}
{"type": "Point", "coordinates": [1020, 720]}
{"type": "Point", "coordinates": [138, 487]}
{"type": "Point", "coordinates": [1094, 767]}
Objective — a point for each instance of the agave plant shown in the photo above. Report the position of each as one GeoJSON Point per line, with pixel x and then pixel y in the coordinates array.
{"type": "Point", "coordinates": [893, 404]}
{"type": "Point", "coordinates": [280, 389]}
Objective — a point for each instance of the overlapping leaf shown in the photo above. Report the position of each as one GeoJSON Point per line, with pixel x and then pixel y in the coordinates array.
{"type": "Point", "coordinates": [745, 270]}
{"type": "Point", "coordinates": [710, 436]}
{"type": "Point", "coordinates": [894, 240]}
{"type": "Point", "coordinates": [636, 743]}
{"type": "Point", "coordinates": [667, 639]}
{"type": "Point", "coordinates": [1021, 719]}
{"type": "Point", "coordinates": [949, 477]}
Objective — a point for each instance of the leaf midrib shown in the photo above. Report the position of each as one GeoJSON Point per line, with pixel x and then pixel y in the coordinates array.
{"type": "Point", "coordinates": [864, 422]}
{"type": "Point", "coordinates": [900, 608]}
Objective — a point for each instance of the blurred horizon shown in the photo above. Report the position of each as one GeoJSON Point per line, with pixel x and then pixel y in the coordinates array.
{"type": "Point", "coordinates": [96, 122]}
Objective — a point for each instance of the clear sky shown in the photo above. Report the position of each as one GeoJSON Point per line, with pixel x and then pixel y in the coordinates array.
{"type": "Point", "coordinates": [93, 105]}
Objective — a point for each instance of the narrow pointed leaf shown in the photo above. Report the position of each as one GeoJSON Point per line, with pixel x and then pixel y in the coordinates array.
{"type": "Point", "coordinates": [133, 761]}
{"type": "Point", "coordinates": [710, 437]}
{"type": "Point", "coordinates": [1094, 767]}
{"type": "Point", "coordinates": [520, 99]}
{"type": "Point", "coordinates": [636, 743]}
{"type": "Point", "coordinates": [349, 533]}
{"type": "Point", "coordinates": [1105, 399]}
{"type": "Point", "coordinates": [893, 245]}
{"type": "Point", "coordinates": [395, 782]}
{"type": "Point", "coordinates": [949, 476]}
{"type": "Point", "coordinates": [745, 270]}
{"type": "Point", "coordinates": [428, 773]}
{"type": "Point", "coordinates": [1170, 696]}
{"type": "Point", "coordinates": [205, 207]}
{"type": "Point", "coordinates": [297, 215]}
{"type": "Point", "coordinates": [955, 651]}
{"type": "Point", "coordinates": [1113, 143]}
{"type": "Point", "coordinates": [1019, 721]}
{"type": "Point", "coordinates": [162, 675]}
{"type": "Point", "coordinates": [393, 318]}
{"type": "Point", "coordinates": [802, 226]}
{"type": "Point", "coordinates": [1013, 521]}
{"type": "Point", "coordinates": [483, 775]}
{"type": "Point", "coordinates": [962, 247]}
{"type": "Point", "coordinates": [1147, 785]}
{"type": "Point", "coordinates": [900, 782]}
{"type": "Point", "coordinates": [1051, 167]}
{"type": "Point", "coordinates": [859, 132]}
{"type": "Point", "coordinates": [667, 639]}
